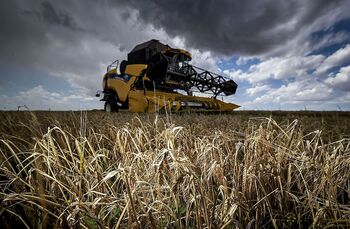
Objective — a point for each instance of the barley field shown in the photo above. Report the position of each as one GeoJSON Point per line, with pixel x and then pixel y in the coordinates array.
{"type": "Point", "coordinates": [248, 169]}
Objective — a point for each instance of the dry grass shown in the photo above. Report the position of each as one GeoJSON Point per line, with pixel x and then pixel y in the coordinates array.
{"type": "Point", "coordinates": [94, 170]}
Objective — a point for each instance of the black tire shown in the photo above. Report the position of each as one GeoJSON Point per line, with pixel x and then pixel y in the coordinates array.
{"type": "Point", "coordinates": [111, 106]}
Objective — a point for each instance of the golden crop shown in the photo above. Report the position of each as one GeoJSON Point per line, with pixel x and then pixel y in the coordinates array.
{"type": "Point", "coordinates": [98, 170]}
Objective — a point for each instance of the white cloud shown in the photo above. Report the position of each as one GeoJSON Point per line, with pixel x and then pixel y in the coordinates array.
{"type": "Point", "coordinates": [38, 92]}
{"type": "Point", "coordinates": [341, 80]}
{"type": "Point", "coordinates": [328, 40]}
{"type": "Point", "coordinates": [244, 59]}
{"type": "Point", "coordinates": [302, 79]}
{"type": "Point", "coordinates": [204, 60]}
{"type": "Point", "coordinates": [257, 89]}
{"type": "Point", "coordinates": [301, 44]}
{"type": "Point", "coordinates": [320, 98]}
{"type": "Point", "coordinates": [234, 74]}
{"type": "Point", "coordinates": [278, 68]}
{"type": "Point", "coordinates": [338, 58]}
{"type": "Point", "coordinates": [297, 92]}
{"type": "Point", "coordinates": [38, 98]}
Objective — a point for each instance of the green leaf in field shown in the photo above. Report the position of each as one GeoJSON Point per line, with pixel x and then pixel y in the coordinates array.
{"type": "Point", "coordinates": [114, 216]}
{"type": "Point", "coordinates": [90, 222]}
{"type": "Point", "coordinates": [182, 209]}
{"type": "Point", "coordinates": [117, 212]}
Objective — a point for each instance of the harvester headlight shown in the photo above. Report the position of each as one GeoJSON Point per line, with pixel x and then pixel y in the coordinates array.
{"type": "Point", "coordinates": [194, 104]}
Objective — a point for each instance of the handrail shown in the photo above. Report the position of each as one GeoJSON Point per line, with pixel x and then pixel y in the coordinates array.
{"type": "Point", "coordinates": [114, 64]}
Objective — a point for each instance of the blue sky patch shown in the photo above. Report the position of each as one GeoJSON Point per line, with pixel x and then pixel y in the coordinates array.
{"type": "Point", "coordinates": [23, 79]}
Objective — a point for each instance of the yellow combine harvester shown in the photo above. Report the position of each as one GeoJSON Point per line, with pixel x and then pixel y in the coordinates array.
{"type": "Point", "coordinates": [157, 77]}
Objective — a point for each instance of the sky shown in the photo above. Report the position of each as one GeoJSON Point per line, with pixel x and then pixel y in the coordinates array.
{"type": "Point", "coordinates": [283, 54]}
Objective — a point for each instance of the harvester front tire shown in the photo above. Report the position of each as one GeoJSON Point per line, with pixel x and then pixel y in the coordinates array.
{"type": "Point", "coordinates": [111, 106]}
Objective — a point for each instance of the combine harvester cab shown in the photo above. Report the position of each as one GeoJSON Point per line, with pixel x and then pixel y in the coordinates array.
{"type": "Point", "coordinates": [153, 78]}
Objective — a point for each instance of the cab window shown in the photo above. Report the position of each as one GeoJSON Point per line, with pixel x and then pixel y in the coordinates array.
{"type": "Point", "coordinates": [124, 77]}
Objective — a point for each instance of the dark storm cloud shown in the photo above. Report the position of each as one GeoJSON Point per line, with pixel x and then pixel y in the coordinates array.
{"type": "Point", "coordinates": [53, 16]}
{"type": "Point", "coordinates": [76, 40]}
{"type": "Point", "coordinates": [17, 35]}
{"type": "Point", "coordinates": [221, 26]}
{"type": "Point", "coordinates": [228, 27]}
{"type": "Point", "coordinates": [29, 27]}
{"type": "Point", "coordinates": [73, 40]}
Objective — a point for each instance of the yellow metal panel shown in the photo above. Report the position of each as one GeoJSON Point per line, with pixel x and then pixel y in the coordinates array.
{"type": "Point", "coordinates": [159, 100]}
{"type": "Point", "coordinates": [121, 87]}
{"type": "Point", "coordinates": [153, 101]}
{"type": "Point", "coordinates": [135, 69]}
{"type": "Point", "coordinates": [137, 101]}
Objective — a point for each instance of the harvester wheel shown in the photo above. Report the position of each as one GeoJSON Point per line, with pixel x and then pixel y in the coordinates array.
{"type": "Point", "coordinates": [111, 106]}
